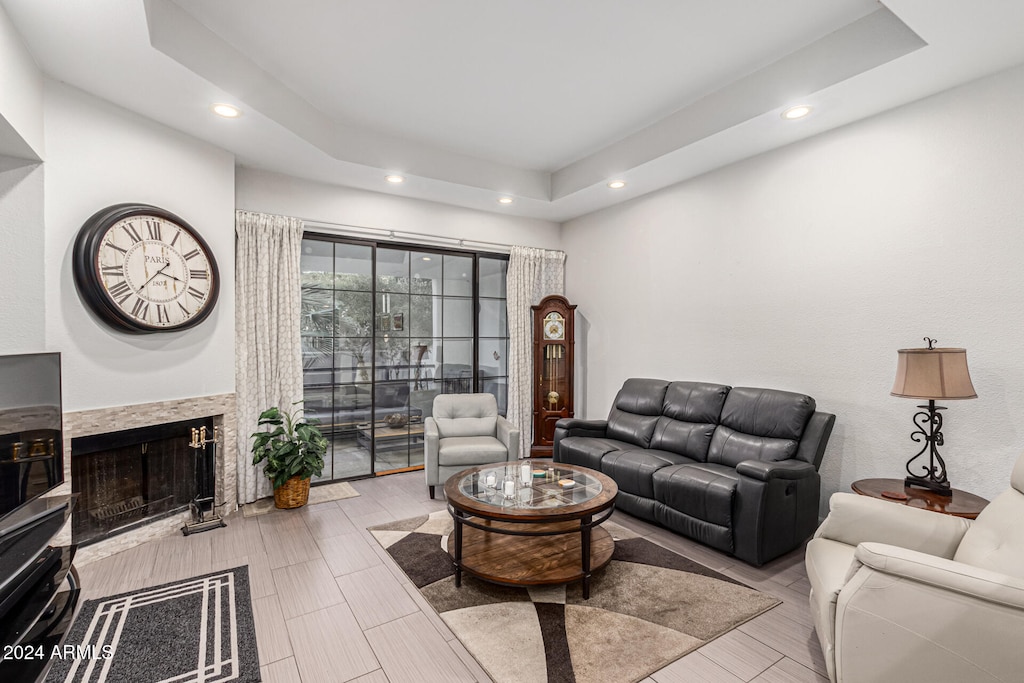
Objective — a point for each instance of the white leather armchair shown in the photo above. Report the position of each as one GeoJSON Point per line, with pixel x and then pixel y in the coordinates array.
{"type": "Point", "coordinates": [465, 430]}
{"type": "Point", "coordinates": [899, 593]}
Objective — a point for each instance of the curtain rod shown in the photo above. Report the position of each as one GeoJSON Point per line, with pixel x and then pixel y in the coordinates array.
{"type": "Point", "coordinates": [401, 235]}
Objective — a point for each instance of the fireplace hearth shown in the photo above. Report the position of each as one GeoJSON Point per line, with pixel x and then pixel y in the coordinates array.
{"type": "Point", "coordinates": [128, 478]}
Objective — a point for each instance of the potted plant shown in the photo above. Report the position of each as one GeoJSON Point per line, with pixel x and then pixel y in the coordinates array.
{"type": "Point", "coordinates": [293, 451]}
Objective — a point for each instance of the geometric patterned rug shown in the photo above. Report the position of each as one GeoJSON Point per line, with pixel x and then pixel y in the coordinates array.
{"type": "Point", "coordinates": [647, 607]}
{"type": "Point", "coordinates": [199, 629]}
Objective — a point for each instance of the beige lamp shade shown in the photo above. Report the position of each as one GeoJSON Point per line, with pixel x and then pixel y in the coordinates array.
{"type": "Point", "coordinates": [933, 374]}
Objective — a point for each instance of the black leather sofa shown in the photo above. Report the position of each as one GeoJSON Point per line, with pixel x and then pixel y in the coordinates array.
{"type": "Point", "coordinates": [733, 468]}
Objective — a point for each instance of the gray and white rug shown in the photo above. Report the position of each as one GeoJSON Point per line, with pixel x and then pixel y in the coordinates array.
{"type": "Point", "coordinates": [199, 629]}
{"type": "Point", "coordinates": [647, 608]}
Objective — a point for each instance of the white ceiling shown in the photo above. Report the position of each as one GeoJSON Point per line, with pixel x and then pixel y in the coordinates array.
{"type": "Point", "coordinates": [540, 100]}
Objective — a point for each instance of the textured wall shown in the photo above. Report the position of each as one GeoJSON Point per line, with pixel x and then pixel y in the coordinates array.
{"type": "Point", "coordinates": [806, 269]}
{"type": "Point", "coordinates": [21, 95]}
{"type": "Point", "coordinates": [22, 269]}
{"type": "Point", "coordinates": [98, 155]}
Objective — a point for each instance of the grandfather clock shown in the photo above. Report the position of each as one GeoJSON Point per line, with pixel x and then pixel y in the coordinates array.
{"type": "Point", "coordinates": [553, 368]}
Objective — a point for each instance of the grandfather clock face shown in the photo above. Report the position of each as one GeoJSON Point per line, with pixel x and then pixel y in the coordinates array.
{"type": "Point", "coordinates": [145, 270]}
{"type": "Point", "coordinates": [554, 326]}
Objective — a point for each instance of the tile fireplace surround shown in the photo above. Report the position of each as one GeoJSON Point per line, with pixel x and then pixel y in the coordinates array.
{"type": "Point", "coordinates": [102, 420]}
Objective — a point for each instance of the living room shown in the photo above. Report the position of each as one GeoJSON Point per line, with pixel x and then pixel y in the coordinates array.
{"type": "Point", "coordinates": [802, 265]}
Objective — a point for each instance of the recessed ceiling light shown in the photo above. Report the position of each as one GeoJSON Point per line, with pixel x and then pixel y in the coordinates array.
{"type": "Point", "coordinates": [426, 258]}
{"type": "Point", "coordinates": [226, 110]}
{"type": "Point", "coordinates": [617, 184]}
{"type": "Point", "coordinates": [505, 200]}
{"type": "Point", "coordinates": [797, 112]}
{"type": "Point", "coordinates": [393, 178]}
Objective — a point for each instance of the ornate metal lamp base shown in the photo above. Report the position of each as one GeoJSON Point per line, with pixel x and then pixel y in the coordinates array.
{"type": "Point", "coordinates": [940, 487]}
{"type": "Point", "coordinates": [929, 430]}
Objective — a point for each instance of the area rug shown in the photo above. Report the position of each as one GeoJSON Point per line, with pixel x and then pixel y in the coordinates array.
{"type": "Point", "coordinates": [647, 608]}
{"type": "Point", "coordinates": [317, 494]}
{"type": "Point", "coordinates": [199, 629]}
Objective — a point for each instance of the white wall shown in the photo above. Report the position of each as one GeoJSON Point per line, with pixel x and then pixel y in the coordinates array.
{"type": "Point", "coordinates": [97, 155]}
{"type": "Point", "coordinates": [285, 195]}
{"type": "Point", "coordinates": [22, 280]}
{"type": "Point", "coordinates": [21, 95]}
{"type": "Point", "coordinates": [807, 268]}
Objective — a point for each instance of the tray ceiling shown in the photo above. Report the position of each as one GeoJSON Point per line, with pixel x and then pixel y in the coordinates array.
{"type": "Point", "coordinates": [543, 101]}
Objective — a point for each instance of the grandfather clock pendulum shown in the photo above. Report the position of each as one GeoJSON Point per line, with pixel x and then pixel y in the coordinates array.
{"type": "Point", "coordinates": [553, 366]}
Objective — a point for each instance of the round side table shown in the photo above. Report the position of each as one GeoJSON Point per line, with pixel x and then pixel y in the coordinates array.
{"type": "Point", "coordinates": [960, 504]}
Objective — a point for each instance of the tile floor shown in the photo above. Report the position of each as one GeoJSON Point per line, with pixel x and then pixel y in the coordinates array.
{"type": "Point", "coordinates": [330, 605]}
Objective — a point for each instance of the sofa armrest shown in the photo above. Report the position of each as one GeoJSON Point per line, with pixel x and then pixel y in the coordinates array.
{"type": "Point", "coordinates": [940, 572]}
{"type": "Point", "coordinates": [508, 434]}
{"type": "Point", "coordinates": [815, 438]}
{"type": "Point", "coordinates": [572, 426]}
{"type": "Point", "coordinates": [905, 615]}
{"type": "Point", "coordinates": [431, 446]}
{"type": "Point", "coordinates": [855, 519]}
{"type": "Point", "coordinates": [783, 469]}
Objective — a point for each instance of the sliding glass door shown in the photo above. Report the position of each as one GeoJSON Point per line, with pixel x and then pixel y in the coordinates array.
{"type": "Point", "coordinates": [387, 328]}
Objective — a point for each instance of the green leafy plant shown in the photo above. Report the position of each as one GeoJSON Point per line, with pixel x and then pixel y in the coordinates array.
{"type": "Point", "coordinates": [293, 448]}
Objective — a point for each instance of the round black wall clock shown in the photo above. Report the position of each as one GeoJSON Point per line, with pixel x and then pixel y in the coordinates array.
{"type": "Point", "coordinates": [142, 269]}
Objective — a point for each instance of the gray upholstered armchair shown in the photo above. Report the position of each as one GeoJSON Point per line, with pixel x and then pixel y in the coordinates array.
{"type": "Point", "coordinates": [464, 431]}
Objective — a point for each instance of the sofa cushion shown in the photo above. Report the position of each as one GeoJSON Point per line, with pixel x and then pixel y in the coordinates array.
{"type": "Point", "coordinates": [466, 414]}
{"type": "Point", "coordinates": [995, 540]}
{"type": "Point", "coordinates": [470, 451]}
{"type": "Point", "coordinates": [760, 424]}
{"type": "Point", "coordinates": [588, 450]}
{"type": "Point", "coordinates": [685, 438]}
{"type": "Point", "coordinates": [701, 490]}
{"type": "Point", "coordinates": [729, 447]}
{"type": "Point", "coordinates": [632, 469]}
{"type": "Point", "coordinates": [702, 531]}
{"type": "Point", "coordinates": [767, 412]}
{"type": "Point", "coordinates": [635, 411]}
{"type": "Point", "coordinates": [695, 401]}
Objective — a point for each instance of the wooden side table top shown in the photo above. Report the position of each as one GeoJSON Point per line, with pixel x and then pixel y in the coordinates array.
{"type": "Point", "coordinates": [961, 504]}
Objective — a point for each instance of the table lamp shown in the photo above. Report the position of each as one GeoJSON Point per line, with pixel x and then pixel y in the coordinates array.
{"type": "Point", "coordinates": [933, 374]}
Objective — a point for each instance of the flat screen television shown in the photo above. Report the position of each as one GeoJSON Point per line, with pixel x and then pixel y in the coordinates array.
{"type": "Point", "coordinates": [31, 439]}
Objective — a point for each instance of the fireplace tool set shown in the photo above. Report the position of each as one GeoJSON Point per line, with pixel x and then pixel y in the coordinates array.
{"type": "Point", "coordinates": [204, 517]}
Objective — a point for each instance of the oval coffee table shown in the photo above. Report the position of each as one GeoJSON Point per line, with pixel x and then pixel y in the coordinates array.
{"type": "Point", "coordinates": [545, 532]}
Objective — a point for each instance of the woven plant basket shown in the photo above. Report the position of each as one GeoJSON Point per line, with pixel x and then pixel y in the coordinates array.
{"type": "Point", "coordinates": [294, 493]}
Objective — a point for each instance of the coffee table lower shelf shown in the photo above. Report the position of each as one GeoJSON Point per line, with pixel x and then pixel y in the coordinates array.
{"type": "Point", "coordinates": [531, 560]}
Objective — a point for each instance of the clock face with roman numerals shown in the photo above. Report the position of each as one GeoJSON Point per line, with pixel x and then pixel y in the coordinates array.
{"type": "Point", "coordinates": [143, 269]}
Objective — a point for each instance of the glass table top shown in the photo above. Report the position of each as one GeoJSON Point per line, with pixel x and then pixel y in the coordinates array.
{"type": "Point", "coordinates": [529, 486]}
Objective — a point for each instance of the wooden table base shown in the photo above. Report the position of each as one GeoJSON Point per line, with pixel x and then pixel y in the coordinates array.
{"type": "Point", "coordinates": [531, 560]}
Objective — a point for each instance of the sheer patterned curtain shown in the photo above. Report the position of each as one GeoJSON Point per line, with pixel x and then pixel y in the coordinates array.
{"type": "Point", "coordinates": [532, 275]}
{"type": "Point", "coordinates": [268, 352]}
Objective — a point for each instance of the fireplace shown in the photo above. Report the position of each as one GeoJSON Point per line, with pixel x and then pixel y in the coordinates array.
{"type": "Point", "coordinates": [131, 477]}
{"type": "Point", "coordinates": [94, 421]}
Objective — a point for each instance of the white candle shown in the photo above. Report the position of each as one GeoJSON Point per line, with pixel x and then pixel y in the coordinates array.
{"type": "Point", "coordinates": [510, 488]}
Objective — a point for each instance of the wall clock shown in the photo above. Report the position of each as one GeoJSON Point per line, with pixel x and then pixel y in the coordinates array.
{"type": "Point", "coordinates": [143, 269]}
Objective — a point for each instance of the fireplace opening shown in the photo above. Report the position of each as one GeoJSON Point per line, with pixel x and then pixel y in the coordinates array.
{"type": "Point", "coordinates": [132, 477]}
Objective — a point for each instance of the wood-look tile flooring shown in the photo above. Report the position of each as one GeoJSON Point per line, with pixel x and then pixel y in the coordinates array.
{"type": "Point", "coordinates": [330, 605]}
